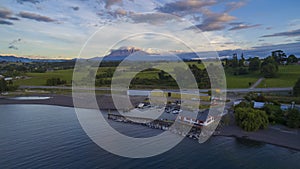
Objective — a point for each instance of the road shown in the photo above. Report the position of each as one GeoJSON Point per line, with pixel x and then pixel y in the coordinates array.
{"type": "Point", "coordinates": [257, 83]}
{"type": "Point", "coordinates": [146, 92]}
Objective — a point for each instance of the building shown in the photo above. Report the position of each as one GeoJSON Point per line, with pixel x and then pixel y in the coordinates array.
{"type": "Point", "coordinates": [8, 78]}
{"type": "Point", "coordinates": [258, 105]}
{"type": "Point", "coordinates": [1, 76]}
{"type": "Point", "coordinates": [203, 119]}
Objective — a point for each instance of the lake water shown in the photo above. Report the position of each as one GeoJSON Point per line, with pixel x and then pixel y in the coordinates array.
{"type": "Point", "coordinates": [41, 136]}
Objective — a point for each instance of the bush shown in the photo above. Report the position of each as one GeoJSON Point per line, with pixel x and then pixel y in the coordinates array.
{"type": "Point", "coordinates": [3, 85]}
{"type": "Point", "coordinates": [296, 88]}
{"type": "Point", "coordinates": [293, 118]}
{"type": "Point", "coordinates": [274, 113]}
{"type": "Point", "coordinates": [55, 82]}
{"type": "Point", "coordinates": [250, 119]}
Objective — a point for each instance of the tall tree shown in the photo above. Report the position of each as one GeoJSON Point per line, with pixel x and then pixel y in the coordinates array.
{"type": "Point", "coordinates": [269, 67]}
{"type": "Point", "coordinates": [3, 85]}
{"type": "Point", "coordinates": [296, 88]}
{"type": "Point", "coordinates": [235, 61]}
{"type": "Point", "coordinates": [242, 60]}
{"type": "Point", "coordinates": [254, 64]}
{"type": "Point", "coordinates": [292, 59]}
{"type": "Point", "coordinates": [251, 119]}
{"type": "Point", "coordinates": [293, 118]}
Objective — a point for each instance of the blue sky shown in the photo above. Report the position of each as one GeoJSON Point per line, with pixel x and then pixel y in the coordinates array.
{"type": "Point", "coordinates": [59, 29]}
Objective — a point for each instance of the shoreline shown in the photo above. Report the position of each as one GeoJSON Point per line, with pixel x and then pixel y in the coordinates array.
{"type": "Point", "coordinates": [274, 135]}
{"type": "Point", "coordinates": [261, 141]}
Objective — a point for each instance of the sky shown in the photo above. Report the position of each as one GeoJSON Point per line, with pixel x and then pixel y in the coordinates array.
{"type": "Point", "coordinates": [56, 29]}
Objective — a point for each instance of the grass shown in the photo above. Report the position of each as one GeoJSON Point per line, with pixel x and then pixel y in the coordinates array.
{"type": "Point", "coordinates": [287, 77]}
{"type": "Point", "coordinates": [39, 79]}
{"type": "Point", "coordinates": [241, 81]}
{"type": "Point", "coordinates": [284, 99]}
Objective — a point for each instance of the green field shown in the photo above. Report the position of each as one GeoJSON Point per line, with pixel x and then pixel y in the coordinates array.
{"type": "Point", "coordinates": [39, 79]}
{"type": "Point", "coordinates": [241, 81]}
{"type": "Point", "coordinates": [287, 77]}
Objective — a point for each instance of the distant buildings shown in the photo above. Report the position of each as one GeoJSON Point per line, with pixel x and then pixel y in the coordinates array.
{"type": "Point", "coordinates": [8, 78]}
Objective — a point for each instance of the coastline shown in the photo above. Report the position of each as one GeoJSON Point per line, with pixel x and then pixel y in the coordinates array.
{"type": "Point", "coordinates": [274, 135]}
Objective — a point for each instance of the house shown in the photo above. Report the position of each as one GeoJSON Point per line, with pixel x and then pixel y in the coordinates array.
{"type": "Point", "coordinates": [203, 119]}
{"type": "Point", "coordinates": [1, 76]}
{"type": "Point", "coordinates": [8, 78]}
{"type": "Point", "coordinates": [237, 102]}
{"type": "Point", "coordinates": [284, 107]}
{"type": "Point", "coordinates": [258, 105]}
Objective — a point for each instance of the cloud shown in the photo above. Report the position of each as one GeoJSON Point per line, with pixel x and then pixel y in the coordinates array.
{"type": "Point", "coordinates": [243, 26]}
{"type": "Point", "coordinates": [188, 6]}
{"type": "Point", "coordinates": [235, 23]}
{"type": "Point", "coordinates": [7, 14]}
{"type": "Point", "coordinates": [109, 3]}
{"type": "Point", "coordinates": [3, 22]}
{"type": "Point", "coordinates": [30, 1]}
{"type": "Point", "coordinates": [152, 18]}
{"type": "Point", "coordinates": [214, 21]}
{"type": "Point", "coordinates": [117, 13]}
{"type": "Point", "coordinates": [268, 28]}
{"type": "Point", "coordinates": [291, 33]}
{"type": "Point", "coordinates": [231, 6]}
{"type": "Point", "coordinates": [75, 8]}
{"type": "Point", "coordinates": [289, 48]}
{"type": "Point", "coordinates": [36, 17]}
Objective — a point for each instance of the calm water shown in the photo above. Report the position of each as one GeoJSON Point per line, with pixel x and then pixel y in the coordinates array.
{"type": "Point", "coordinates": [39, 136]}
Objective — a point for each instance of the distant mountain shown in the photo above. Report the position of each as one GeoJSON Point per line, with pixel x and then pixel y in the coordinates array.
{"type": "Point", "coordinates": [260, 51]}
{"type": "Point", "coordinates": [14, 59]}
{"type": "Point", "coordinates": [123, 52]}
{"type": "Point", "coordinates": [137, 54]}
{"type": "Point", "coordinates": [26, 60]}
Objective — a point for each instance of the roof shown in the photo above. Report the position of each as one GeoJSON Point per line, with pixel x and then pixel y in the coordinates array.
{"type": "Point", "coordinates": [8, 78]}
{"type": "Point", "coordinates": [202, 116]}
{"type": "Point", "coordinates": [258, 105]}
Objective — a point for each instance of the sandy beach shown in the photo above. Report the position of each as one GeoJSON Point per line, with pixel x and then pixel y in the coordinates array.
{"type": "Point", "coordinates": [276, 135]}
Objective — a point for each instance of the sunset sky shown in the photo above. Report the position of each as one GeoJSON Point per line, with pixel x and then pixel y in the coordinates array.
{"type": "Point", "coordinates": [59, 28]}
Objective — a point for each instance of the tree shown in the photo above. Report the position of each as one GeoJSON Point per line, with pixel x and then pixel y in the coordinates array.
{"type": "Point", "coordinates": [3, 85]}
{"type": "Point", "coordinates": [292, 59]}
{"type": "Point", "coordinates": [293, 118]}
{"type": "Point", "coordinates": [55, 82]}
{"type": "Point", "coordinates": [235, 61]}
{"type": "Point", "coordinates": [254, 64]}
{"type": "Point", "coordinates": [251, 119]}
{"type": "Point", "coordinates": [296, 88]}
{"type": "Point", "coordinates": [275, 114]}
{"type": "Point", "coordinates": [269, 67]}
{"type": "Point", "coordinates": [279, 56]}
{"type": "Point", "coordinates": [269, 70]}
{"type": "Point", "coordinates": [242, 61]}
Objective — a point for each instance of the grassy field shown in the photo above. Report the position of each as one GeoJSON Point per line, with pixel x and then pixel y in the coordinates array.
{"type": "Point", "coordinates": [39, 79]}
{"type": "Point", "coordinates": [287, 77]}
{"type": "Point", "coordinates": [241, 81]}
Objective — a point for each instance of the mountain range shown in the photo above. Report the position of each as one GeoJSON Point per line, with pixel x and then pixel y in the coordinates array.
{"type": "Point", "coordinates": [137, 54]}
